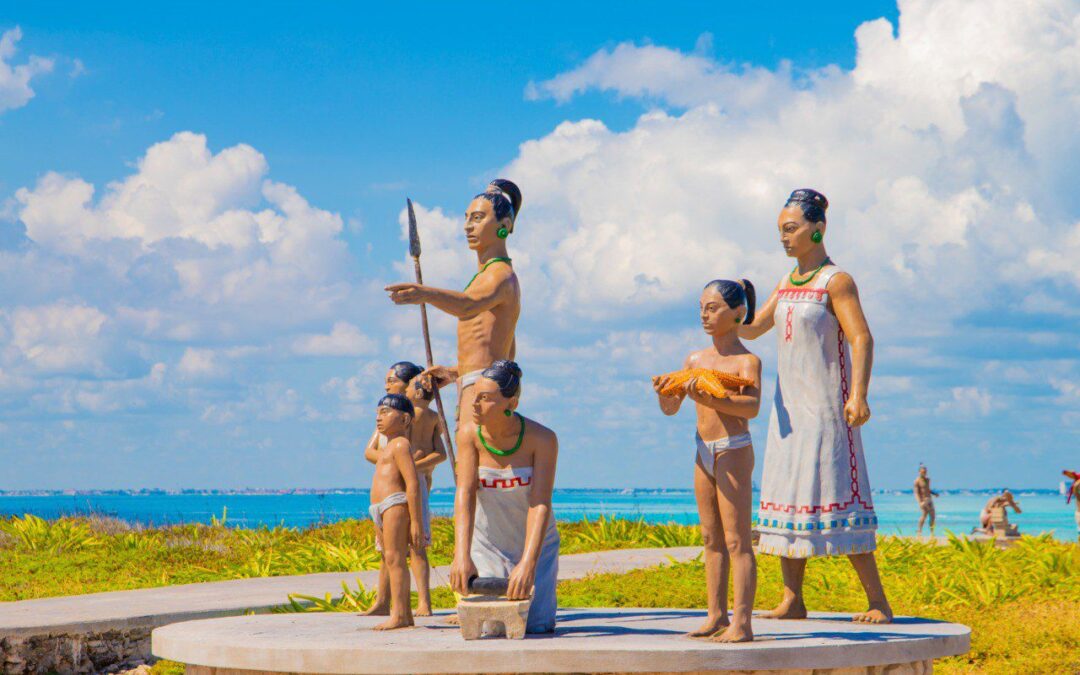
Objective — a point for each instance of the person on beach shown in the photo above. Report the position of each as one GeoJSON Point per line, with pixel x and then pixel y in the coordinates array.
{"type": "Point", "coordinates": [724, 459]}
{"type": "Point", "coordinates": [395, 509]}
{"type": "Point", "coordinates": [503, 523]}
{"type": "Point", "coordinates": [1003, 500]}
{"type": "Point", "coordinates": [428, 451]}
{"type": "Point", "coordinates": [1074, 491]}
{"type": "Point", "coordinates": [815, 492]}
{"type": "Point", "coordinates": [925, 497]}
{"type": "Point", "coordinates": [1074, 496]}
{"type": "Point", "coordinates": [488, 308]}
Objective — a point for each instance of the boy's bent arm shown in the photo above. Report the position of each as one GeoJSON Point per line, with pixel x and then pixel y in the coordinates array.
{"type": "Point", "coordinates": [402, 453]}
{"type": "Point", "coordinates": [371, 452]}
{"type": "Point", "coordinates": [438, 452]}
{"type": "Point", "coordinates": [746, 403]}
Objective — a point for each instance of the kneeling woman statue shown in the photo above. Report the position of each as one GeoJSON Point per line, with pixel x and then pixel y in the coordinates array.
{"type": "Point", "coordinates": [503, 522]}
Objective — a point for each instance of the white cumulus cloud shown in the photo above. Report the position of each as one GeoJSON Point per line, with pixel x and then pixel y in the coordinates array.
{"type": "Point", "coordinates": [344, 339]}
{"type": "Point", "coordinates": [15, 89]}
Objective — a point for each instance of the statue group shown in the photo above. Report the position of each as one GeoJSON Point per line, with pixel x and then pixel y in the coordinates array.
{"type": "Point", "coordinates": [815, 494]}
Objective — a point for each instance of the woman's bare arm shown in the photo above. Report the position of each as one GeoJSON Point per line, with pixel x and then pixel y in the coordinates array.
{"type": "Point", "coordinates": [545, 457]}
{"type": "Point", "coordinates": [468, 482]}
{"type": "Point", "coordinates": [763, 319]}
{"type": "Point", "coordinates": [844, 299]}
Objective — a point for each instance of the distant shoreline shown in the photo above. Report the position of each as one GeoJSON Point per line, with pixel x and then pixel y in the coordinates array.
{"type": "Point", "coordinates": [198, 492]}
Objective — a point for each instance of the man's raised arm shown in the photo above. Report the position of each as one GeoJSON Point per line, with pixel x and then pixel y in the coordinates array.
{"type": "Point", "coordinates": [487, 291]}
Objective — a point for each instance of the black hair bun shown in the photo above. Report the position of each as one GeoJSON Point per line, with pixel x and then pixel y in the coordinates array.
{"type": "Point", "coordinates": [512, 191]}
{"type": "Point", "coordinates": [406, 370]}
{"type": "Point", "coordinates": [813, 204]}
{"type": "Point", "coordinates": [809, 196]}
{"type": "Point", "coordinates": [507, 375]}
{"type": "Point", "coordinates": [505, 364]}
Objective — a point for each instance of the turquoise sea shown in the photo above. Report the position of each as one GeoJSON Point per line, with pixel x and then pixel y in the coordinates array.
{"type": "Point", "coordinates": [1043, 510]}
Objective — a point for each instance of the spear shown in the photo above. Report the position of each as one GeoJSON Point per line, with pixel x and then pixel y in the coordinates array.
{"type": "Point", "coordinates": [414, 251]}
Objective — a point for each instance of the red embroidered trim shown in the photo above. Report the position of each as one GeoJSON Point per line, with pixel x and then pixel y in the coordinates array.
{"type": "Point", "coordinates": [516, 481]}
{"type": "Point", "coordinates": [787, 326]}
{"type": "Point", "coordinates": [852, 463]}
{"type": "Point", "coordinates": [802, 293]}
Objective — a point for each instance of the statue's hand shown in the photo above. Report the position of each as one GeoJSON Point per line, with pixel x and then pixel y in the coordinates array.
{"type": "Point", "coordinates": [461, 571]}
{"type": "Point", "coordinates": [522, 579]}
{"type": "Point", "coordinates": [659, 383]}
{"type": "Point", "coordinates": [406, 293]}
{"type": "Point", "coordinates": [856, 411]}
{"type": "Point", "coordinates": [440, 375]}
{"type": "Point", "coordinates": [695, 395]}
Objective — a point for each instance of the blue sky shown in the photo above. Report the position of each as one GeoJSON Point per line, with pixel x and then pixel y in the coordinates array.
{"type": "Point", "coordinates": [198, 206]}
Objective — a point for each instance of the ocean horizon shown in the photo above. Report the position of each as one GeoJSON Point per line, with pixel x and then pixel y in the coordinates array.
{"type": "Point", "coordinates": [1044, 510]}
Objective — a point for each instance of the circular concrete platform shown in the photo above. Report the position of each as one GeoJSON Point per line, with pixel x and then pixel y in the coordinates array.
{"type": "Point", "coordinates": [586, 641]}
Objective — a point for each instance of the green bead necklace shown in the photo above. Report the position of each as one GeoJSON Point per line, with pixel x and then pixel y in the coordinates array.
{"type": "Point", "coordinates": [486, 265]}
{"type": "Point", "coordinates": [791, 277]}
{"type": "Point", "coordinates": [496, 451]}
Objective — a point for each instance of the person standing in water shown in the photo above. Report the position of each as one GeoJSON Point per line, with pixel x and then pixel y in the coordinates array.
{"type": "Point", "coordinates": [815, 492]}
{"type": "Point", "coordinates": [1074, 494]}
{"type": "Point", "coordinates": [503, 523]}
{"type": "Point", "coordinates": [487, 309]}
{"type": "Point", "coordinates": [724, 463]}
{"type": "Point", "coordinates": [925, 497]}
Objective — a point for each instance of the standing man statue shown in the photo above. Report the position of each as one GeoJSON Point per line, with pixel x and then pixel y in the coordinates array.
{"type": "Point", "coordinates": [925, 497]}
{"type": "Point", "coordinates": [1074, 496]}
{"type": "Point", "coordinates": [488, 308]}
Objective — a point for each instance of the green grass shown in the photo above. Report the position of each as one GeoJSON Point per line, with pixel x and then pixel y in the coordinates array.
{"type": "Point", "coordinates": [70, 556]}
{"type": "Point", "coordinates": [1023, 603]}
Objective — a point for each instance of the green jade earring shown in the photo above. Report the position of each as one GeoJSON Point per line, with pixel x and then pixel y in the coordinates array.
{"type": "Point", "coordinates": [508, 412]}
{"type": "Point", "coordinates": [817, 236]}
{"type": "Point", "coordinates": [502, 233]}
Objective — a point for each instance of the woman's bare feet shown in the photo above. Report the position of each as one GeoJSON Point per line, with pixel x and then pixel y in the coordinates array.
{"type": "Point", "coordinates": [377, 609]}
{"type": "Point", "coordinates": [395, 622]}
{"type": "Point", "coordinates": [879, 612]}
{"type": "Point", "coordinates": [735, 633]}
{"type": "Point", "coordinates": [712, 625]}
{"type": "Point", "coordinates": [452, 620]}
{"type": "Point", "coordinates": [791, 607]}
{"type": "Point", "coordinates": [422, 610]}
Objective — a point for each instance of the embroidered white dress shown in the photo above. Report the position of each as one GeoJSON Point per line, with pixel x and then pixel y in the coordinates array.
{"type": "Point", "coordinates": [815, 493]}
{"type": "Point", "coordinates": [502, 508]}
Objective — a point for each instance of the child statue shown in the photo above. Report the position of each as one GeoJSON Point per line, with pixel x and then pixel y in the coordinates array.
{"type": "Point", "coordinates": [396, 506]}
{"type": "Point", "coordinates": [725, 457]}
{"type": "Point", "coordinates": [428, 451]}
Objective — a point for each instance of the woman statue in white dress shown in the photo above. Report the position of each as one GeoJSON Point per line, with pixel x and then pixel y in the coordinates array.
{"type": "Point", "coordinates": [503, 522]}
{"type": "Point", "coordinates": [815, 493]}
